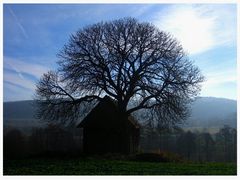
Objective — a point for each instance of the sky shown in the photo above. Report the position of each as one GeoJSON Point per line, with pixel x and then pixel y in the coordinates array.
{"type": "Point", "coordinates": [35, 33]}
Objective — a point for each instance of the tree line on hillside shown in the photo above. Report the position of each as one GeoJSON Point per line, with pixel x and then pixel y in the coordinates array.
{"type": "Point", "coordinates": [194, 146]}
{"type": "Point", "coordinates": [43, 141]}
{"type": "Point", "coordinates": [54, 140]}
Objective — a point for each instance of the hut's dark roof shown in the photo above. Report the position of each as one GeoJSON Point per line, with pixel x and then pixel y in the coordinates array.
{"type": "Point", "coordinates": [106, 107]}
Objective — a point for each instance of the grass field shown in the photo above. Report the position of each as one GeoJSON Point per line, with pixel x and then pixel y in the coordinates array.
{"type": "Point", "coordinates": [93, 166]}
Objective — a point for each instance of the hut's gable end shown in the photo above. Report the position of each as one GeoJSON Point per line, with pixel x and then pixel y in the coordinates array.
{"type": "Point", "coordinates": [105, 113]}
{"type": "Point", "coordinates": [104, 131]}
{"type": "Point", "coordinates": [102, 115]}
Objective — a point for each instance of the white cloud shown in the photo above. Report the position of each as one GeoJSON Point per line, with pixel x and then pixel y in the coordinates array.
{"type": "Point", "coordinates": [20, 67]}
{"type": "Point", "coordinates": [139, 11]}
{"type": "Point", "coordinates": [16, 93]}
{"type": "Point", "coordinates": [20, 26]}
{"type": "Point", "coordinates": [218, 78]}
{"type": "Point", "coordinates": [199, 27]}
{"type": "Point", "coordinates": [220, 84]}
{"type": "Point", "coordinates": [14, 78]}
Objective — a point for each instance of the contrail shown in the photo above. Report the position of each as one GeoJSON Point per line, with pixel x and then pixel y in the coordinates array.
{"type": "Point", "coordinates": [16, 70]}
{"type": "Point", "coordinates": [18, 22]}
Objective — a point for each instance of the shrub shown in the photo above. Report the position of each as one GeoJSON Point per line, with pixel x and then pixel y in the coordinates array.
{"type": "Point", "coordinates": [158, 157]}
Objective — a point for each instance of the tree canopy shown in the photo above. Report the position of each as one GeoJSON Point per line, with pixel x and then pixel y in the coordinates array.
{"type": "Point", "coordinates": [126, 60]}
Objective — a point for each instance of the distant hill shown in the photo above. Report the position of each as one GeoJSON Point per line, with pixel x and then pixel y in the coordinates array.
{"type": "Point", "coordinates": [19, 110]}
{"type": "Point", "coordinates": [213, 112]}
{"type": "Point", "coordinates": [206, 112]}
{"type": "Point", "coordinates": [20, 114]}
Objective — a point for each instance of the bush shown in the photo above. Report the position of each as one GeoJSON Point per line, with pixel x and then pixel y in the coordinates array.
{"type": "Point", "coordinates": [158, 157]}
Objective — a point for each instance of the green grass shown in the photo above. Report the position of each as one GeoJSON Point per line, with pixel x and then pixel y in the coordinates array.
{"type": "Point", "coordinates": [94, 166]}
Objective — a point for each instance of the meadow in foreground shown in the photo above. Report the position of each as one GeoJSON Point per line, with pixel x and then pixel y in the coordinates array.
{"type": "Point", "coordinates": [94, 166]}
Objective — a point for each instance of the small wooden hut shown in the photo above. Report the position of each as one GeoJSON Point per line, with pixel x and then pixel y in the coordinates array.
{"type": "Point", "coordinates": [105, 132]}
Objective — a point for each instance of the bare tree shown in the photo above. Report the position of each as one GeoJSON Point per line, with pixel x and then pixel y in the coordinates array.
{"type": "Point", "coordinates": [14, 144]}
{"type": "Point", "coordinates": [187, 144]}
{"type": "Point", "coordinates": [126, 60]}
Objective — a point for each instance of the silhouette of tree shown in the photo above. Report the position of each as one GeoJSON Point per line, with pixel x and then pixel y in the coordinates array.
{"type": "Point", "coordinates": [126, 60]}
{"type": "Point", "coordinates": [207, 145]}
{"type": "Point", "coordinates": [226, 143]}
{"type": "Point", "coordinates": [234, 144]}
{"type": "Point", "coordinates": [37, 141]}
{"type": "Point", "coordinates": [53, 138]}
{"type": "Point", "coordinates": [13, 144]}
{"type": "Point", "coordinates": [187, 144]}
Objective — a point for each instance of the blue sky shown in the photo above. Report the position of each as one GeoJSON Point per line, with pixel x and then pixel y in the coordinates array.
{"type": "Point", "coordinates": [34, 34]}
